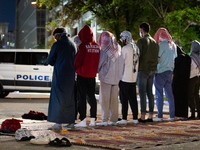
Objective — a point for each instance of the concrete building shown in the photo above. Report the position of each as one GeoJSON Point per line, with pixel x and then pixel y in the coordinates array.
{"type": "Point", "coordinates": [30, 25]}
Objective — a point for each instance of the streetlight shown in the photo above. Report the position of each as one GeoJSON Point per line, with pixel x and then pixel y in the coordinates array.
{"type": "Point", "coordinates": [34, 3]}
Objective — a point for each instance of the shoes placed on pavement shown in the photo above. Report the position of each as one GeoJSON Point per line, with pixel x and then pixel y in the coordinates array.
{"type": "Point", "coordinates": [149, 120]}
{"type": "Point", "coordinates": [63, 142]}
{"type": "Point", "coordinates": [132, 121]}
{"type": "Point", "coordinates": [169, 119]}
{"type": "Point", "coordinates": [102, 124]}
{"type": "Point", "coordinates": [42, 139]}
{"type": "Point", "coordinates": [23, 134]}
{"type": "Point", "coordinates": [142, 121]}
{"type": "Point", "coordinates": [55, 127]}
{"type": "Point", "coordinates": [158, 119]}
{"type": "Point", "coordinates": [112, 123]}
{"type": "Point", "coordinates": [81, 124]}
{"type": "Point", "coordinates": [124, 122]}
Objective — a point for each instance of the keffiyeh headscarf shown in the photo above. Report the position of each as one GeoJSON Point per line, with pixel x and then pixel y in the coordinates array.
{"type": "Point", "coordinates": [163, 34]}
{"type": "Point", "coordinates": [194, 53]}
{"type": "Point", "coordinates": [108, 43]}
{"type": "Point", "coordinates": [127, 37]}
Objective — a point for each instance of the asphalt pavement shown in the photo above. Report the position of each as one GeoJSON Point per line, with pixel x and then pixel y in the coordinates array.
{"type": "Point", "coordinates": [8, 142]}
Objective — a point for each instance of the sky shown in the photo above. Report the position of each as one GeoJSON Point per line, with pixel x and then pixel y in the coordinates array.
{"type": "Point", "coordinates": [7, 12]}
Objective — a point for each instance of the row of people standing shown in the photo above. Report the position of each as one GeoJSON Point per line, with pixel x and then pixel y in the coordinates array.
{"type": "Point", "coordinates": [114, 66]}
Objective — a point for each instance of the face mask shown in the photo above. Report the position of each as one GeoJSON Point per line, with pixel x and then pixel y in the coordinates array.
{"type": "Point", "coordinates": [141, 34]}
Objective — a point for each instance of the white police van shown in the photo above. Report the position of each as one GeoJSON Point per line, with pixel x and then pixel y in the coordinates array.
{"type": "Point", "coordinates": [24, 70]}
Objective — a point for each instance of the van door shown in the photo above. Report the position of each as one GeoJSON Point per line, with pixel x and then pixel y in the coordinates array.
{"type": "Point", "coordinates": [41, 72]}
{"type": "Point", "coordinates": [22, 71]}
{"type": "Point", "coordinates": [7, 70]}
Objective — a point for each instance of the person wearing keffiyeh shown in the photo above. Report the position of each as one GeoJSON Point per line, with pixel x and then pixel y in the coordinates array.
{"type": "Point", "coordinates": [110, 72]}
{"type": "Point", "coordinates": [194, 80]}
{"type": "Point", "coordinates": [127, 83]}
{"type": "Point", "coordinates": [163, 77]}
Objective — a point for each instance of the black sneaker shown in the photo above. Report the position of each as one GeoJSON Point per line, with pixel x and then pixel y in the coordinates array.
{"type": "Point", "coordinates": [149, 120]}
{"type": "Point", "coordinates": [142, 121]}
{"type": "Point", "coordinates": [191, 118]}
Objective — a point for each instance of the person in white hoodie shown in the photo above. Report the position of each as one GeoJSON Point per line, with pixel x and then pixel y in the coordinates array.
{"type": "Point", "coordinates": [110, 71]}
{"type": "Point", "coordinates": [127, 84]}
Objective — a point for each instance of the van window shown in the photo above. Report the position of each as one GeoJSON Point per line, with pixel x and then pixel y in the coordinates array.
{"type": "Point", "coordinates": [39, 58]}
{"type": "Point", "coordinates": [7, 57]}
{"type": "Point", "coordinates": [23, 58]}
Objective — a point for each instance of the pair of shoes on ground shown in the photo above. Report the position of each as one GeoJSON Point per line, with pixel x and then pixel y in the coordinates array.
{"type": "Point", "coordinates": [51, 140]}
{"type": "Point", "coordinates": [124, 122]}
{"type": "Point", "coordinates": [23, 134]}
{"type": "Point", "coordinates": [60, 142]}
{"type": "Point", "coordinates": [106, 123]}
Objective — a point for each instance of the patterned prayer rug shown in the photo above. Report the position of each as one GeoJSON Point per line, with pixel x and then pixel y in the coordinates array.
{"type": "Point", "coordinates": [133, 136]}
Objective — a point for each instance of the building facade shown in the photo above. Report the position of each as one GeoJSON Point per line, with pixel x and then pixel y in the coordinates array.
{"type": "Point", "coordinates": [30, 25]}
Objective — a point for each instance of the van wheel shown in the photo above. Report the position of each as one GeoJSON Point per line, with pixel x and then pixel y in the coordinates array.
{"type": "Point", "coordinates": [3, 94]}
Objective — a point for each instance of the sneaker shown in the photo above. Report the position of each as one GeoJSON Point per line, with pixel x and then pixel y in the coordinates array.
{"type": "Point", "coordinates": [122, 122]}
{"type": "Point", "coordinates": [169, 119]}
{"type": "Point", "coordinates": [132, 121]}
{"type": "Point", "coordinates": [149, 120]}
{"type": "Point", "coordinates": [42, 139]}
{"type": "Point", "coordinates": [55, 127]}
{"type": "Point", "coordinates": [92, 122]}
{"type": "Point", "coordinates": [112, 123]}
{"type": "Point", "coordinates": [157, 119]}
{"type": "Point", "coordinates": [191, 118]}
{"type": "Point", "coordinates": [69, 126]}
{"type": "Point", "coordinates": [102, 124]}
{"type": "Point", "coordinates": [81, 124]}
{"type": "Point", "coordinates": [142, 121]}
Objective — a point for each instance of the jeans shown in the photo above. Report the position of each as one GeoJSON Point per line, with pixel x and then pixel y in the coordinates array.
{"type": "Point", "coordinates": [164, 81]}
{"type": "Point", "coordinates": [86, 86]}
{"type": "Point", "coordinates": [145, 83]}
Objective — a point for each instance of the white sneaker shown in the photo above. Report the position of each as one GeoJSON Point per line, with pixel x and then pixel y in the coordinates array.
{"type": "Point", "coordinates": [122, 122]}
{"type": "Point", "coordinates": [55, 127]}
{"type": "Point", "coordinates": [102, 124]}
{"type": "Point", "coordinates": [112, 123]}
{"type": "Point", "coordinates": [81, 124]}
{"type": "Point", "coordinates": [92, 122]}
{"type": "Point", "coordinates": [157, 119]}
{"type": "Point", "coordinates": [132, 121]}
{"type": "Point", "coordinates": [42, 139]}
{"type": "Point", "coordinates": [169, 119]}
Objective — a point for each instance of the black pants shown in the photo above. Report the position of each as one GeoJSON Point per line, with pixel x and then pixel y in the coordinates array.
{"type": "Point", "coordinates": [86, 86]}
{"type": "Point", "coordinates": [194, 96]}
{"type": "Point", "coordinates": [128, 93]}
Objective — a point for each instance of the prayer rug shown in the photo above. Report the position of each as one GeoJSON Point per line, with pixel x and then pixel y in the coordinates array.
{"type": "Point", "coordinates": [133, 136]}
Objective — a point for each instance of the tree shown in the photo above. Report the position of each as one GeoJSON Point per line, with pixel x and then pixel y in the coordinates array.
{"type": "Point", "coordinates": [183, 24]}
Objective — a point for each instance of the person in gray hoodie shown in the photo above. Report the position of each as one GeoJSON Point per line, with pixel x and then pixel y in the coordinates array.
{"type": "Point", "coordinates": [110, 71]}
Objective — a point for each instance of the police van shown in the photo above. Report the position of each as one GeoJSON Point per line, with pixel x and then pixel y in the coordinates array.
{"type": "Point", "coordinates": [26, 70]}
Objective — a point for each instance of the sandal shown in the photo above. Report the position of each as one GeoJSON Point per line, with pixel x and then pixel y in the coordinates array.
{"type": "Point", "coordinates": [60, 143]}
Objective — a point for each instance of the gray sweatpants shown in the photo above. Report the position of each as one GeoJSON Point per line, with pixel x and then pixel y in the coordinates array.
{"type": "Point", "coordinates": [108, 98]}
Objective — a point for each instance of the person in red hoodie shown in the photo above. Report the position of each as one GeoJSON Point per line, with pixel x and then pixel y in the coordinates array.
{"type": "Point", "coordinates": [86, 65]}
